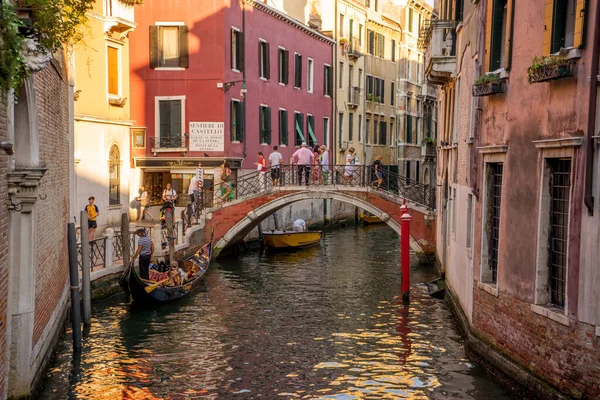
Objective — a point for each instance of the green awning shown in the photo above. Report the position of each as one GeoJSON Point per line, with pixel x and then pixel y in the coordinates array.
{"type": "Point", "coordinates": [312, 134]}
{"type": "Point", "coordinates": [299, 131]}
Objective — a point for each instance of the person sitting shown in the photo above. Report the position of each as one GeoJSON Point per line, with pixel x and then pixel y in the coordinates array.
{"type": "Point", "coordinates": [299, 225]}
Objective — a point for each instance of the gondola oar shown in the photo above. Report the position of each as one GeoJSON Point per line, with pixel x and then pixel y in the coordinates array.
{"type": "Point", "coordinates": [150, 288]}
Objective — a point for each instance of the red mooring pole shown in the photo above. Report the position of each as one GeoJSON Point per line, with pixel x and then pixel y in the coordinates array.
{"type": "Point", "coordinates": [405, 219]}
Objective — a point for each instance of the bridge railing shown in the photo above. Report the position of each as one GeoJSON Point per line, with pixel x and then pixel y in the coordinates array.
{"type": "Point", "coordinates": [346, 175]}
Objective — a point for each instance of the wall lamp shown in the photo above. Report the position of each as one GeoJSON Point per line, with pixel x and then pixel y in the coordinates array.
{"type": "Point", "coordinates": [8, 147]}
{"type": "Point", "coordinates": [225, 86]}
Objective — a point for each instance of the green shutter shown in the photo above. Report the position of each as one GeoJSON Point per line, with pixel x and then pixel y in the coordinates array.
{"type": "Point", "coordinates": [232, 120]}
{"type": "Point", "coordinates": [310, 122]}
{"type": "Point", "coordinates": [559, 25]}
{"type": "Point", "coordinates": [175, 118]}
{"type": "Point", "coordinates": [164, 109]}
{"type": "Point", "coordinates": [496, 43]}
{"type": "Point", "coordinates": [299, 132]}
{"type": "Point", "coordinates": [268, 124]}
{"type": "Point", "coordinates": [184, 58]}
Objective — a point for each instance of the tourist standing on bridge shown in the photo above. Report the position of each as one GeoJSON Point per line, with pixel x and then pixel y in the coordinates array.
{"type": "Point", "coordinates": [351, 162]}
{"type": "Point", "coordinates": [316, 171]}
{"type": "Point", "coordinates": [378, 172]}
{"type": "Point", "coordinates": [324, 163]}
{"type": "Point", "coordinates": [261, 166]}
{"type": "Point", "coordinates": [303, 158]}
{"type": "Point", "coordinates": [226, 185]}
{"type": "Point", "coordinates": [275, 159]}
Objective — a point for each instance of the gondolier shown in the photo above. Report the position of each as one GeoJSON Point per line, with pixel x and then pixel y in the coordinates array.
{"type": "Point", "coordinates": [145, 250]}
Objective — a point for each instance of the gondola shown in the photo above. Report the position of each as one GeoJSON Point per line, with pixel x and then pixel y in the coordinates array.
{"type": "Point", "coordinates": [147, 292]}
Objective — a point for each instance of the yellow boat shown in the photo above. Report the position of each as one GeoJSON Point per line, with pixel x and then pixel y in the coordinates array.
{"type": "Point", "coordinates": [290, 240]}
{"type": "Point", "coordinates": [370, 219]}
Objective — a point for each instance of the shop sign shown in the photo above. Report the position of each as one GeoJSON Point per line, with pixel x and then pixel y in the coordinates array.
{"type": "Point", "coordinates": [207, 136]}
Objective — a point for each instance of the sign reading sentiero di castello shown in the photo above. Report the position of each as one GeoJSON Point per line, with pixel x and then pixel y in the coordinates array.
{"type": "Point", "coordinates": [207, 136]}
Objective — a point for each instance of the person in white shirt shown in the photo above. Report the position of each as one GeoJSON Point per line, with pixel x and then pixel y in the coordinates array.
{"type": "Point", "coordinates": [324, 162]}
{"type": "Point", "coordinates": [275, 159]}
{"type": "Point", "coordinates": [193, 189]}
{"type": "Point", "coordinates": [299, 225]}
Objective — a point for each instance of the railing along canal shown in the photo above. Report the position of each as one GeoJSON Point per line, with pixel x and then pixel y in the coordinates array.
{"type": "Point", "coordinates": [335, 175]}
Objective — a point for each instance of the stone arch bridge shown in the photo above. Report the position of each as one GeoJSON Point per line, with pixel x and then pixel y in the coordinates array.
{"type": "Point", "coordinates": [256, 199]}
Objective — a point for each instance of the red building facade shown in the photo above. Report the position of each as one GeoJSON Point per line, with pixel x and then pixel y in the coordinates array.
{"type": "Point", "coordinates": [223, 81]}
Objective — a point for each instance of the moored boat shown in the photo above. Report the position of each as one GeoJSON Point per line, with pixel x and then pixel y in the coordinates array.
{"type": "Point", "coordinates": [148, 292]}
{"type": "Point", "coordinates": [370, 219]}
{"type": "Point", "coordinates": [291, 239]}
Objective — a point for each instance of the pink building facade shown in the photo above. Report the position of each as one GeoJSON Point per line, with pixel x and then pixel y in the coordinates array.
{"type": "Point", "coordinates": [221, 82]}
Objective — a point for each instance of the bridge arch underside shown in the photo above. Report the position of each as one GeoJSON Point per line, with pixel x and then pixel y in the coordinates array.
{"type": "Point", "coordinates": [242, 228]}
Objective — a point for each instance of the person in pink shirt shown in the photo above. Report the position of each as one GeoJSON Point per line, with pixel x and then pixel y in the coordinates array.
{"type": "Point", "coordinates": [303, 158]}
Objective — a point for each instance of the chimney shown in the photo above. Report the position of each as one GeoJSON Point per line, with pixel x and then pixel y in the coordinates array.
{"type": "Point", "coordinates": [314, 15]}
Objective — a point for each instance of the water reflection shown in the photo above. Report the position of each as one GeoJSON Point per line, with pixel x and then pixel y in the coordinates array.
{"type": "Point", "coordinates": [326, 323]}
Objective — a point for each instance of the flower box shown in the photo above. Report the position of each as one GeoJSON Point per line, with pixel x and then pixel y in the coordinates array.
{"type": "Point", "coordinates": [486, 89]}
{"type": "Point", "coordinates": [549, 68]}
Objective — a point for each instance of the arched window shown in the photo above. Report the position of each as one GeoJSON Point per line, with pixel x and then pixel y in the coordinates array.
{"type": "Point", "coordinates": [114, 173]}
{"type": "Point", "coordinates": [427, 179]}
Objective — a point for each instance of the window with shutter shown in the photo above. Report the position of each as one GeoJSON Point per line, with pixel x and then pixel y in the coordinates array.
{"type": "Point", "coordinates": [265, 124]}
{"type": "Point", "coordinates": [382, 84]}
{"type": "Point", "coordinates": [327, 81]}
{"type": "Point", "coordinates": [369, 85]}
{"type": "Point", "coordinates": [393, 93]}
{"type": "Point", "coordinates": [113, 70]}
{"type": "Point", "coordinates": [264, 67]}
{"type": "Point", "coordinates": [408, 132]}
{"type": "Point", "coordinates": [283, 127]}
{"type": "Point", "coordinates": [170, 124]}
{"type": "Point", "coordinates": [410, 19]}
{"type": "Point", "coordinates": [236, 121]}
{"type": "Point", "coordinates": [382, 132]}
{"type": "Point", "coordinates": [340, 129]}
{"type": "Point", "coordinates": [563, 24]}
{"type": "Point", "coordinates": [371, 44]}
{"type": "Point", "coordinates": [283, 65]}
{"type": "Point", "coordinates": [350, 126]}
{"type": "Point", "coordinates": [311, 73]}
{"type": "Point", "coordinates": [297, 70]}
{"type": "Point", "coordinates": [169, 46]}
{"type": "Point", "coordinates": [393, 50]}
{"type": "Point", "coordinates": [237, 50]}
{"type": "Point", "coordinates": [375, 131]}
{"type": "Point", "coordinates": [367, 129]}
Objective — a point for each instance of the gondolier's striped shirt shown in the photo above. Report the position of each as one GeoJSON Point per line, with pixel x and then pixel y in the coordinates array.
{"type": "Point", "coordinates": [146, 244]}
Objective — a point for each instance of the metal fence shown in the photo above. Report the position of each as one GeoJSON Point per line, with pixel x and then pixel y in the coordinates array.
{"type": "Point", "coordinates": [97, 253]}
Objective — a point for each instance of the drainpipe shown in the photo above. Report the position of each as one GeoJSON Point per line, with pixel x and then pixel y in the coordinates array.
{"type": "Point", "coordinates": [334, 92]}
{"type": "Point", "coordinates": [243, 3]}
{"type": "Point", "coordinates": [589, 173]}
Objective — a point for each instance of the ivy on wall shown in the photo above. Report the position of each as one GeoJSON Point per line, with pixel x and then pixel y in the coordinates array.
{"type": "Point", "coordinates": [54, 23]}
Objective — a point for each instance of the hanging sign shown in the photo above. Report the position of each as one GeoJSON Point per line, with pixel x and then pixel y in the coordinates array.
{"type": "Point", "coordinates": [207, 136]}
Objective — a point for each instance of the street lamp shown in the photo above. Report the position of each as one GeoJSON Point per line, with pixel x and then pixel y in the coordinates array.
{"type": "Point", "coordinates": [225, 86]}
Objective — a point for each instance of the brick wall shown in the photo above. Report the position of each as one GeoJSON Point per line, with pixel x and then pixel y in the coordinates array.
{"type": "Point", "coordinates": [3, 250]}
{"type": "Point", "coordinates": [53, 212]}
{"type": "Point", "coordinates": [566, 357]}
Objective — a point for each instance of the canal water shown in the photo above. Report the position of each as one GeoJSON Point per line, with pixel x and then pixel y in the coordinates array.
{"type": "Point", "coordinates": [323, 323]}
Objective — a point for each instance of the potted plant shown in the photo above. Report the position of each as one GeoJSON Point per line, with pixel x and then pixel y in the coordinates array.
{"type": "Point", "coordinates": [377, 99]}
{"type": "Point", "coordinates": [429, 141]}
{"type": "Point", "coordinates": [547, 68]}
{"type": "Point", "coordinates": [345, 43]}
{"type": "Point", "coordinates": [487, 84]}
{"type": "Point", "coordinates": [370, 97]}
